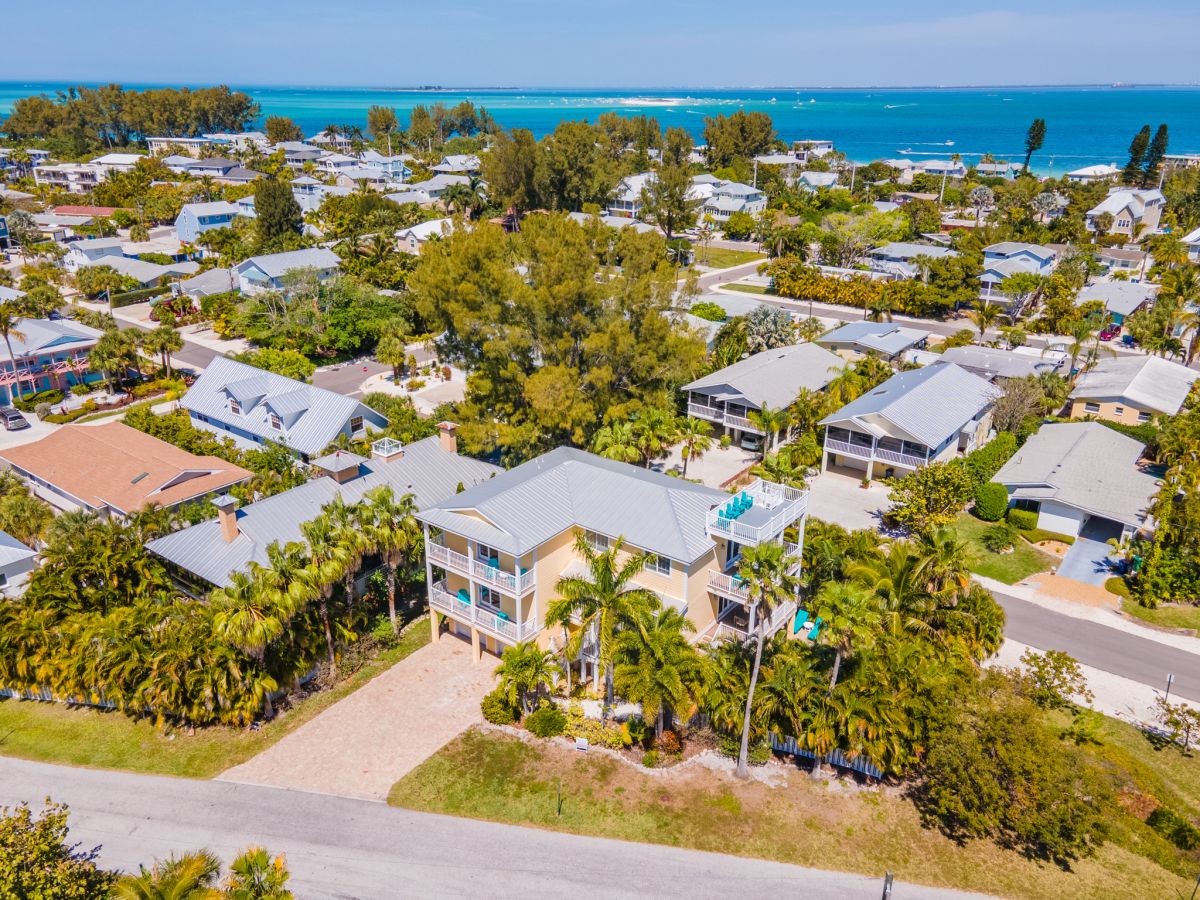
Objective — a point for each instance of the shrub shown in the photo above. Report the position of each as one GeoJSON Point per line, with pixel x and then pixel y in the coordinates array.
{"type": "Point", "coordinates": [668, 743]}
{"type": "Point", "coordinates": [1052, 678]}
{"type": "Point", "coordinates": [985, 462]}
{"type": "Point", "coordinates": [1116, 585]}
{"type": "Point", "coordinates": [725, 441]}
{"type": "Point", "coordinates": [991, 501]}
{"type": "Point", "coordinates": [546, 722]}
{"type": "Point", "coordinates": [730, 745]}
{"type": "Point", "coordinates": [708, 310]}
{"type": "Point", "coordinates": [650, 759]}
{"type": "Point", "coordinates": [43, 410]}
{"type": "Point", "coordinates": [999, 538]}
{"type": "Point", "coordinates": [1033, 535]}
{"type": "Point", "coordinates": [637, 730]}
{"type": "Point", "coordinates": [80, 390]}
{"type": "Point", "coordinates": [1022, 519]}
{"type": "Point", "coordinates": [497, 710]}
{"type": "Point", "coordinates": [614, 737]}
{"type": "Point", "coordinates": [1175, 828]}
{"type": "Point", "coordinates": [29, 402]}
{"type": "Point", "coordinates": [415, 384]}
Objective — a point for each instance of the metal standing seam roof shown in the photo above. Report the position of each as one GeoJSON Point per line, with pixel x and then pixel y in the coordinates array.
{"type": "Point", "coordinates": [212, 208]}
{"type": "Point", "coordinates": [908, 250]}
{"type": "Point", "coordinates": [881, 336]}
{"type": "Point", "coordinates": [994, 363]}
{"type": "Point", "coordinates": [1008, 249]}
{"type": "Point", "coordinates": [12, 550]}
{"type": "Point", "coordinates": [319, 415]}
{"type": "Point", "coordinates": [929, 404]}
{"type": "Point", "coordinates": [1085, 465]}
{"type": "Point", "coordinates": [425, 470]}
{"type": "Point", "coordinates": [1117, 296]}
{"type": "Point", "coordinates": [1148, 382]}
{"type": "Point", "coordinates": [524, 507]}
{"type": "Point", "coordinates": [275, 265]}
{"type": "Point", "coordinates": [40, 335]}
{"type": "Point", "coordinates": [774, 377]}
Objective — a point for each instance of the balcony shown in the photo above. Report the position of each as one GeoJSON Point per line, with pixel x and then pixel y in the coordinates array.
{"type": "Point", "coordinates": [774, 508]}
{"type": "Point", "coordinates": [873, 451]}
{"type": "Point", "coordinates": [494, 622]}
{"type": "Point", "coordinates": [721, 417]}
{"type": "Point", "coordinates": [731, 585]}
{"type": "Point", "coordinates": [734, 624]}
{"type": "Point", "coordinates": [512, 583]}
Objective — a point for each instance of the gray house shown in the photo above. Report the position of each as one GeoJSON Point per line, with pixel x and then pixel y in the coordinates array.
{"type": "Point", "coordinates": [912, 419]}
{"type": "Point", "coordinates": [255, 407]}
{"type": "Point", "coordinates": [265, 273]}
{"type": "Point", "coordinates": [882, 339]}
{"type": "Point", "coordinates": [772, 379]}
{"type": "Point", "coordinates": [16, 562]}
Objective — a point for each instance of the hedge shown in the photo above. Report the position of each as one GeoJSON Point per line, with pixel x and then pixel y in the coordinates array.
{"type": "Point", "coordinates": [991, 501]}
{"type": "Point", "coordinates": [131, 297]}
{"type": "Point", "coordinates": [29, 402]}
{"type": "Point", "coordinates": [1033, 535]}
{"type": "Point", "coordinates": [985, 462]}
{"type": "Point", "coordinates": [1022, 519]}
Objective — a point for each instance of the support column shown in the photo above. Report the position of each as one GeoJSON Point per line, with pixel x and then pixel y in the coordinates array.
{"type": "Point", "coordinates": [476, 651]}
{"type": "Point", "coordinates": [435, 627]}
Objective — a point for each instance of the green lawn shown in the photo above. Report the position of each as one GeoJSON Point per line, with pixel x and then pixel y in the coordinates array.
{"type": "Point", "coordinates": [747, 288]}
{"type": "Point", "coordinates": [52, 732]}
{"type": "Point", "coordinates": [492, 776]}
{"type": "Point", "coordinates": [1182, 617]}
{"type": "Point", "coordinates": [1010, 568]}
{"type": "Point", "coordinates": [724, 258]}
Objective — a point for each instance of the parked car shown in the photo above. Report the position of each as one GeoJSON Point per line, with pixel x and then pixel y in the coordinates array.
{"type": "Point", "coordinates": [1110, 332]}
{"type": "Point", "coordinates": [13, 420]}
{"type": "Point", "coordinates": [751, 442]}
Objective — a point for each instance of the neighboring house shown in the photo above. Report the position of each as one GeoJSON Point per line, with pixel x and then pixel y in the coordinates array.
{"type": "Point", "coordinates": [196, 218]}
{"type": "Point", "coordinates": [359, 175]}
{"type": "Point", "coordinates": [999, 365]}
{"type": "Point", "coordinates": [771, 379]}
{"type": "Point", "coordinates": [951, 168]}
{"type": "Point", "coordinates": [213, 281]}
{"type": "Point", "coordinates": [16, 562]}
{"type": "Point", "coordinates": [254, 407]}
{"type": "Point", "coordinates": [626, 199]}
{"type": "Point", "coordinates": [1192, 240]}
{"type": "Point", "coordinates": [883, 339]}
{"type": "Point", "coordinates": [266, 273]}
{"type": "Point", "coordinates": [1081, 477]}
{"type": "Point", "coordinates": [413, 238]}
{"type": "Point", "coordinates": [1122, 259]}
{"type": "Point", "coordinates": [721, 199]}
{"type": "Point", "coordinates": [1007, 170]}
{"type": "Point", "coordinates": [209, 552]}
{"type": "Point", "coordinates": [1008, 258]}
{"type": "Point", "coordinates": [337, 162]}
{"type": "Point", "coordinates": [458, 164]}
{"type": "Point", "coordinates": [1120, 298]}
{"type": "Point", "coordinates": [911, 420]}
{"type": "Point", "coordinates": [297, 153]}
{"type": "Point", "coordinates": [332, 141]}
{"type": "Point", "coordinates": [148, 274]}
{"type": "Point", "coordinates": [814, 180]}
{"type": "Point", "coordinates": [496, 551]}
{"type": "Point", "coordinates": [159, 146]}
{"type": "Point", "coordinates": [1132, 389]}
{"type": "Point", "coordinates": [116, 470]}
{"type": "Point", "coordinates": [46, 353]}
{"type": "Point", "coordinates": [1093, 174]}
{"type": "Point", "coordinates": [76, 178]}
{"type": "Point", "coordinates": [434, 187]}
{"type": "Point", "coordinates": [897, 258]}
{"type": "Point", "coordinates": [618, 222]}
{"type": "Point", "coordinates": [97, 251]}
{"type": "Point", "coordinates": [395, 167]}
{"type": "Point", "coordinates": [1134, 212]}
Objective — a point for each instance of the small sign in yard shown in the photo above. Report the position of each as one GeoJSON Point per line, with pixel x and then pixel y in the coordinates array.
{"type": "Point", "coordinates": [581, 744]}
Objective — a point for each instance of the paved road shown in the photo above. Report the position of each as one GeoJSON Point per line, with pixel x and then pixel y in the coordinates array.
{"type": "Point", "coordinates": [1139, 659]}
{"type": "Point", "coordinates": [347, 378]}
{"type": "Point", "coordinates": [339, 848]}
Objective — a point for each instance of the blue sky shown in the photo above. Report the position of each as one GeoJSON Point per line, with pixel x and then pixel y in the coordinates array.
{"type": "Point", "coordinates": [611, 43]}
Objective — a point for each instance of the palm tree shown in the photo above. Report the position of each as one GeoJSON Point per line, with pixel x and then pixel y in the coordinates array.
{"type": "Point", "coordinates": [10, 317]}
{"type": "Point", "coordinates": [254, 875]}
{"type": "Point", "coordinates": [246, 616]}
{"type": "Point", "coordinates": [616, 441]}
{"type": "Point", "coordinates": [351, 524]}
{"type": "Point", "coordinates": [780, 468]}
{"type": "Point", "coordinates": [525, 670]}
{"type": "Point", "coordinates": [392, 350]}
{"type": "Point", "coordinates": [328, 561]}
{"type": "Point", "coordinates": [654, 430]}
{"type": "Point", "coordinates": [602, 603]}
{"type": "Point", "coordinates": [656, 665]}
{"type": "Point", "coordinates": [189, 877]}
{"type": "Point", "coordinates": [393, 533]}
{"type": "Point", "coordinates": [850, 621]}
{"type": "Point", "coordinates": [696, 437]}
{"type": "Point", "coordinates": [163, 340]}
{"type": "Point", "coordinates": [809, 329]}
{"type": "Point", "coordinates": [985, 315]}
{"type": "Point", "coordinates": [764, 570]}
{"type": "Point", "coordinates": [770, 422]}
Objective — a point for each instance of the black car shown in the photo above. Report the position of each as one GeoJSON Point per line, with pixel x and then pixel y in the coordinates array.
{"type": "Point", "coordinates": [13, 420]}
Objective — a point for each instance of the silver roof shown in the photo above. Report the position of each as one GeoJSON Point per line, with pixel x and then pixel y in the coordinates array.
{"type": "Point", "coordinates": [313, 416]}
{"type": "Point", "coordinates": [1122, 297]}
{"type": "Point", "coordinates": [1085, 465]}
{"type": "Point", "coordinates": [927, 404]}
{"type": "Point", "coordinates": [12, 550]}
{"type": "Point", "coordinates": [883, 337]}
{"type": "Point", "coordinates": [1148, 382]}
{"type": "Point", "coordinates": [990, 362]}
{"type": "Point", "coordinates": [566, 488]}
{"type": "Point", "coordinates": [42, 335]}
{"type": "Point", "coordinates": [773, 377]}
{"type": "Point", "coordinates": [425, 470]}
{"type": "Point", "coordinates": [275, 265]}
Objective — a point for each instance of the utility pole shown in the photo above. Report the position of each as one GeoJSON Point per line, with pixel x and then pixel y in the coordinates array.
{"type": "Point", "coordinates": [853, 173]}
{"type": "Point", "coordinates": [1170, 681]}
{"type": "Point", "coordinates": [942, 195]}
{"type": "Point", "coordinates": [755, 184]}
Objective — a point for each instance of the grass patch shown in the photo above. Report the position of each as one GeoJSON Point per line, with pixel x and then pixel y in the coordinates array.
{"type": "Point", "coordinates": [1175, 616]}
{"type": "Point", "coordinates": [747, 288]}
{"type": "Point", "coordinates": [1025, 560]}
{"type": "Point", "coordinates": [492, 776]}
{"type": "Point", "coordinates": [724, 258]}
{"type": "Point", "coordinates": [81, 736]}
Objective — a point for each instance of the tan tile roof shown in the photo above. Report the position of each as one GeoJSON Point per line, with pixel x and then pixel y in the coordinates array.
{"type": "Point", "coordinates": [118, 466]}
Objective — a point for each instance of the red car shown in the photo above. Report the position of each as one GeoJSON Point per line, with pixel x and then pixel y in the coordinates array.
{"type": "Point", "coordinates": [1110, 332]}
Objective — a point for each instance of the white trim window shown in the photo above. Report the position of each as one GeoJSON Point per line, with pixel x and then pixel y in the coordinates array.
{"type": "Point", "coordinates": [276, 422]}
{"type": "Point", "coordinates": [235, 407]}
{"type": "Point", "coordinates": [596, 540]}
{"type": "Point", "coordinates": [659, 565]}
{"type": "Point", "coordinates": [1091, 407]}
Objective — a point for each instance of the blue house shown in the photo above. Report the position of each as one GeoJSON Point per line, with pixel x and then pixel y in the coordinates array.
{"type": "Point", "coordinates": [266, 273]}
{"type": "Point", "coordinates": [45, 354]}
{"type": "Point", "coordinates": [196, 218]}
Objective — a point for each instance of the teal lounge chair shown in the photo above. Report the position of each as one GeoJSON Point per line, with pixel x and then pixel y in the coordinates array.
{"type": "Point", "coordinates": [463, 596]}
{"type": "Point", "coordinates": [815, 630]}
{"type": "Point", "coordinates": [801, 619]}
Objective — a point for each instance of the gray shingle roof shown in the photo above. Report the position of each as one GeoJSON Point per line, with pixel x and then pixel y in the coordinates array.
{"type": "Point", "coordinates": [425, 470]}
{"type": "Point", "coordinates": [929, 404]}
{"type": "Point", "coordinates": [567, 488]}
{"type": "Point", "coordinates": [773, 377]}
{"type": "Point", "coordinates": [1148, 382]}
{"type": "Point", "coordinates": [313, 415]}
{"type": "Point", "coordinates": [275, 265]}
{"type": "Point", "coordinates": [1085, 465]}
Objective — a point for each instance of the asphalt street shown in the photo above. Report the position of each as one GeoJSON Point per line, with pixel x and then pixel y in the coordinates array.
{"type": "Point", "coordinates": [339, 848]}
{"type": "Point", "coordinates": [1109, 649]}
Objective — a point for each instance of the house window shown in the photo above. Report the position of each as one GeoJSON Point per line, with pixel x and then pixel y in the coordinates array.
{"type": "Point", "coordinates": [659, 565]}
{"type": "Point", "coordinates": [489, 597]}
{"type": "Point", "coordinates": [235, 407]}
{"type": "Point", "coordinates": [356, 424]}
{"type": "Point", "coordinates": [1119, 410]}
{"type": "Point", "coordinates": [1143, 417]}
{"type": "Point", "coordinates": [1091, 407]}
{"type": "Point", "coordinates": [276, 422]}
{"type": "Point", "coordinates": [484, 552]}
{"type": "Point", "coordinates": [598, 542]}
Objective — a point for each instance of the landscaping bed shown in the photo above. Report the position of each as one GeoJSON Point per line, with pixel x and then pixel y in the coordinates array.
{"type": "Point", "coordinates": [1025, 559]}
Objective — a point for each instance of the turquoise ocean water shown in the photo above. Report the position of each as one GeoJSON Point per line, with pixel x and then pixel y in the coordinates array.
{"type": "Point", "coordinates": [1086, 124]}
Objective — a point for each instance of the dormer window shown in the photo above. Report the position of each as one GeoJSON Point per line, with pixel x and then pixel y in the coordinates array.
{"type": "Point", "coordinates": [235, 407]}
{"type": "Point", "coordinates": [356, 424]}
{"type": "Point", "coordinates": [276, 422]}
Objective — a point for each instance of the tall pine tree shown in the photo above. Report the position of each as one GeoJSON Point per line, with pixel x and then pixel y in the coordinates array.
{"type": "Point", "coordinates": [1137, 155]}
{"type": "Point", "coordinates": [1154, 158]}
{"type": "Point", "coordinates": [1034, 138]}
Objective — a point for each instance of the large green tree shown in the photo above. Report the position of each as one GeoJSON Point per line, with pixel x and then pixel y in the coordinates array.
{"type": "Point", "coordinates": [277, 215]}
{"type": "Point", "coordinates": [1034, 138]}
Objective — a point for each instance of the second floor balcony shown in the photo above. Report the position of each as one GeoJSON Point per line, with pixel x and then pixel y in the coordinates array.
{"type": "Point", "coordinates": [864, 446]}
{"type": "Point", "coordinates": [758, 514]}
{"type": "Point", "coordinates": [730, 584]}
{"type": "Point", "coordinates": [484, 571]}
{"type": "Point", "coordinates": [496, 622]}
{"type": "Point", "coordinates": [733, 416]}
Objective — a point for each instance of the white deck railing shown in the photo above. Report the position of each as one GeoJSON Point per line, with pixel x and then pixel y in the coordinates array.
{"type": "Point", "coordinates": [866, 452]}
{"type": "Point", "coordinates": [723, 630]}
{"type": "Point", "coordinates": [480, 616]}
{"type": "Point", "coordinates": [712, 413]}
{"type": "Point", "coordinates": [903, 459]}
{"type": "Point", "coordinates": [452, 560]}
{"type": "Point", "coordinates": [785, 504]}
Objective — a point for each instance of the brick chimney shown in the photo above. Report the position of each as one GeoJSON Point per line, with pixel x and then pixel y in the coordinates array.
{"type": "Point", "coordinates": [447, 432]}
{"type": "Point", "coordinates": [227, 515]}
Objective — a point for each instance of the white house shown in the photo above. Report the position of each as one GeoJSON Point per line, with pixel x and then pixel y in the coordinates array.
{"type": "Point", "coordinates": [1133, 211]}
{"type": "Point", "coordinates": [266, 273]}
{"type": "Point", "coordinates": [1009, 258]}
{"type": "Point", "coordinates": [458, 164]}
{"type": "Point", "coordinates": [1092, 174]}
{"type": "Point", "coordinates": [896, 258]}
{"type": "Point", "coordinates": [413, 238]}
